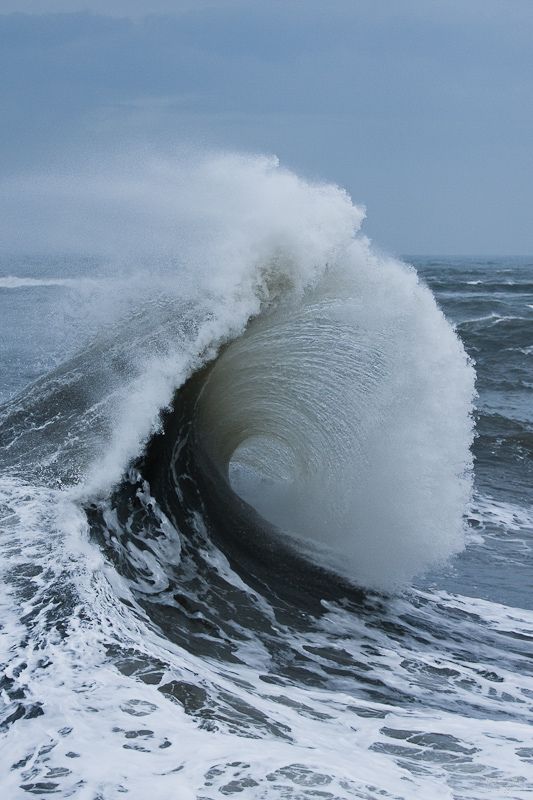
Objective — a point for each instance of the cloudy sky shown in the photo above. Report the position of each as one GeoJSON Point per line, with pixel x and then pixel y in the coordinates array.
{"type": "Point", "coordinates": [422, 109]}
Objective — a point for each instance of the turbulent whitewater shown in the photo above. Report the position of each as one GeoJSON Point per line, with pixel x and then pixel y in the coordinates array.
{"type": "Point", "coordinates": [237, 486]}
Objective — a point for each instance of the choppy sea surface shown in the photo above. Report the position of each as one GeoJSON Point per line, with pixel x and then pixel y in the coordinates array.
{"type": "Point", "coordinates": [160, 638]}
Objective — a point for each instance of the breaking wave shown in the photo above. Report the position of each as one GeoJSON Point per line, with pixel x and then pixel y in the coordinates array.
{"type": "Point", "coordinates": [335, 398]}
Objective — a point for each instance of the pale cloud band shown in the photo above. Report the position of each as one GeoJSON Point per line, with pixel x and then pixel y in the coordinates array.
{"type": "Point", "coordinates": [422, 110]}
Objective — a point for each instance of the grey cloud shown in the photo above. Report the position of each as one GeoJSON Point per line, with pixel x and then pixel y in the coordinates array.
{"type": "Point", "coordinates": [424, 115]}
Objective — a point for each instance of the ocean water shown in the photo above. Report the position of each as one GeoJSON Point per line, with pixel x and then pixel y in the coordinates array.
{"type": "Point", "coordinates": [265, 509]}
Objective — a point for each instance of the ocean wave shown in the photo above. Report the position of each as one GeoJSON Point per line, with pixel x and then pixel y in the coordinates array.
{"type": "Point", "coordinates": [217, 507]}
{"type": "Point", "coordinates": [340, 403]}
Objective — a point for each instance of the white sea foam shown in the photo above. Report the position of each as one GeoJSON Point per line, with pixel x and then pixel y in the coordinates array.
{"type": "Point", "coordinates": [104, 733]}
{"type": "Point", "coordinates": [15, 282]}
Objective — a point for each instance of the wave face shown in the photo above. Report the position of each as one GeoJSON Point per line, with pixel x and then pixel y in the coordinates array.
{"type": "Point", "coordinates": [215, 509]}
{"type": "Point", "coordinates": [342, 417]}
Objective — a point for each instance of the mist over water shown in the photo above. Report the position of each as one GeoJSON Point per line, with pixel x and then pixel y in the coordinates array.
{"type": "Point", "coordinates": [251, 436]}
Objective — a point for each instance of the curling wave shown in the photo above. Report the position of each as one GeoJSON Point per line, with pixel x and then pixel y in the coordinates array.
{"type": "Point", "coordinates": [342, 417]}
{"type": "Point", "coordinates": [337, 399]}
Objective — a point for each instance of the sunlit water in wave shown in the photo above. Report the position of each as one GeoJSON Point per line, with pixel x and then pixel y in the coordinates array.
{"type": "Point", "coordinates": [158, 643]}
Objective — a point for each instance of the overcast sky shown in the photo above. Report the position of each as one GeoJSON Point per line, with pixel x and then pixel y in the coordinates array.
{"type": "Point", "coordinates": [422, 109]}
